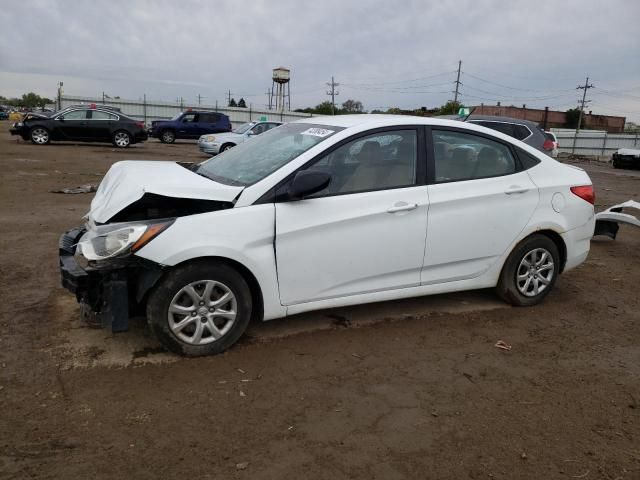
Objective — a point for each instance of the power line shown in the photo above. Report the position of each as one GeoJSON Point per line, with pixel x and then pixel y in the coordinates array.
{"type": "Point", "coordinates": [405, 81]}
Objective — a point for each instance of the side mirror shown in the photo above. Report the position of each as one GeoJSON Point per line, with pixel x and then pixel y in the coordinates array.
{"type": "Point", "coordinates": [307, 182]}
{"type": "Point", "coordinates": [60, 118]}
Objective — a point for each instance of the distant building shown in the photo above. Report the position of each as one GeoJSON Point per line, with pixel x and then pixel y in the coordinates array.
{"type": "Point", "coordinates": [553, 118]}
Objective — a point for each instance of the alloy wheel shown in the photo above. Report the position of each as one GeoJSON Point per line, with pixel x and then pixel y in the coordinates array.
{"type": "Point", "coordinates": [40, 136]}
{"type": "Point", "coordinates": [121, 139]}
{"type": "Point", "coordinates": [535, 272]}
{"type": "Point", "coordinates": [202, 312]}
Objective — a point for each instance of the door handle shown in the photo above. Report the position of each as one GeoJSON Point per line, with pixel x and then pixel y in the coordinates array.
{"type": "Point", "coordinates": [402, 207]}
{"type": "Point", "coordinates": [513, 189]}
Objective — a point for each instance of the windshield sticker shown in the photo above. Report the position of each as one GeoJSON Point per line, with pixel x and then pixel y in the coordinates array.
{"type": "Point", "coordinates": [317, 132]}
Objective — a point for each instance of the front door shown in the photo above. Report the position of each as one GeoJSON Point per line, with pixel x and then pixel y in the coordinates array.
{"type": "Point", "coordinates": [73, 125]}
{"type": "Point", "coordinates": [189, 127]}
{"type": "Point", "coordinates": [366, 231]}
{"type": "Point", "coordinates": [480, 201]}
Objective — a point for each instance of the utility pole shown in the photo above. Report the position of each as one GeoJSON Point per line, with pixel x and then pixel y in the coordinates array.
{"type": "Point", "coordinates": [269, 97]}
{"type": "Point", "coordinates": [333, 94]}
{"type": "Point", "coordinates": [199, 99]}
{"type": "Point", "coordinates": [584, 100]}
{"type": "Point", "coordinates": [458, 83]}
{"type": "Point", "coordinates": [229, 100]}
{"type": "Point", "coordinates": [60, 84]}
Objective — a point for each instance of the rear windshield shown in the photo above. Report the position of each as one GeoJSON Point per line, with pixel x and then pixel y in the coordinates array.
{"type": "Point", "coordinates": [252, 161]}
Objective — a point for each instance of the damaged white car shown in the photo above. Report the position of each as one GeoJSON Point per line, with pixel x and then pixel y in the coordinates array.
{"type": "Point", "coordinates": [320, 213]}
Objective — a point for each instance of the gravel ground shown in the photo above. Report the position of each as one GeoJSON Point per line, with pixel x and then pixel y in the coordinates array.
{"type": "Point", "coordinates": [408, 389]}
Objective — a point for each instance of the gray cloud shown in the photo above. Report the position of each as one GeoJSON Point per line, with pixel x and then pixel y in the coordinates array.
{"type": "Point", "coordinates": [517, 52]}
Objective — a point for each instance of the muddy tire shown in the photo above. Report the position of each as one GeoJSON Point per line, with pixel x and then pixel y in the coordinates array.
{"type": "Point", "coordinates": [200, 308]}
{"type": "Point", "coordinates": [530, 272]}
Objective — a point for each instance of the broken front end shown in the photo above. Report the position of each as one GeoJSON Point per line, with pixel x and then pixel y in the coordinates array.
{"type": "Point", "coordinates": [109, 283]}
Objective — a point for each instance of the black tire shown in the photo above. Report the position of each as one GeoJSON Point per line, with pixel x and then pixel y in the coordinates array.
{"type": "Point", "coordinates": [226, 147]}
{"type": "Point", "coordinates": [614, 163]}
{"type": "Point", "coordinates": [167, 136]}
{"type": "Point", "coordinates": [508, 288]}
{"type": "Point", "coordinates": [121, 139]}
{"type": "Point", "coordinates": [168, 289]}
{"type": "Point", "coordinates": [39, 135]}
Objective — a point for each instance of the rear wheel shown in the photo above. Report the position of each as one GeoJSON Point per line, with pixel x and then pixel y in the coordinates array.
{"type": "Point", "coordinates": [201, 308]}
{"type": "Point", "coordinates": [39, 135]}
{"type": "Point", "coordinates": [121, 139]}
{"type": "Point", "coordinates": [168, 136]}
{"type": "Point", "coordinates": [530, 272]}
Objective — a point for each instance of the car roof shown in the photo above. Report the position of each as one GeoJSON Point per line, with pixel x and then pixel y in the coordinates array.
{"type": "Point", "coordinates": [502, 119]}
{"type": "Point", "coordinates": [375, 119]}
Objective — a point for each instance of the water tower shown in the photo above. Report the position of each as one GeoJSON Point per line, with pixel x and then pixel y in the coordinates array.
{"type": "Point", "coordinates": [280, 91]}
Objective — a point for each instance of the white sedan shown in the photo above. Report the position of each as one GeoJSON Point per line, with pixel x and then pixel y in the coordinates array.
{"type": "Point", "coordinates": [322, 213]}
{"type": "Point", "coordinates": [214, 144]}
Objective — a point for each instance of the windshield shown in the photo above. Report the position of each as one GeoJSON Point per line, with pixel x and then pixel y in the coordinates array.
{"type": "Point", "coordinates": [252, 161]}
{"type": "Point", "coordinates": [175, 117]}
{"type": "Point", "coordinates": [243, 128]}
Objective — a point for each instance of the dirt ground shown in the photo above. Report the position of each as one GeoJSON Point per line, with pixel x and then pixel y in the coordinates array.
{"type": "Point", "coordinates": [407, 389]}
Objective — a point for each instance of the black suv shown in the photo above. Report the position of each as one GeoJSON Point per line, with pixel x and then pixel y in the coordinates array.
{"type": "Point", "coordinates": [190, 124]}
{"type": "Point", "coordinates": [86, 124]}
{"type": "Point", "coordinates": [525, 130]}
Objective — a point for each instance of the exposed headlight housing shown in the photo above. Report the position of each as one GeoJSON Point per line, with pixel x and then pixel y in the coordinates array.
{"type": "Point", "coordinates": [118, 240]}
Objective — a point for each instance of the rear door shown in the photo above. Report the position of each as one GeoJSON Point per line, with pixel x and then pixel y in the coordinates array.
{"type": "Point", "coordinates": [480, 200]}
{"type": "Point", "coordinates": [206, 123]}
{"type": "Point", "coordinates": [101, 125]}
{"type": "Point", "coordinates": [366, 231]}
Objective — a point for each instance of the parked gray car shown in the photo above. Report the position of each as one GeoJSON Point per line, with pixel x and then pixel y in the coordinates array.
{"type": "Point", "coordinates": [525, 130]}
{"type": "Point", "coordinates": [219, 142]}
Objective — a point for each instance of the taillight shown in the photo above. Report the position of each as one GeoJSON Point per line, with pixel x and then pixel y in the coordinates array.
{"type": "Point", "coordinates": [585, 192]}
{"type": "Point", "coordinates": [140, 124]}
{"type": "Point", "coordinates": [548, 144]}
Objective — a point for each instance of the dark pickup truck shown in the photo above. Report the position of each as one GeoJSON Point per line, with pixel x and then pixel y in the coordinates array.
{"type": "Point", "coordinates": [190, 124]}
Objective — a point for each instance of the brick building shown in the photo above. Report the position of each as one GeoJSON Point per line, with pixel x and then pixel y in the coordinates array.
{"type": "Point", "coordinates": [552, 118]}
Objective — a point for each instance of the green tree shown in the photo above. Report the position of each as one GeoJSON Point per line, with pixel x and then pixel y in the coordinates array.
{"type": "Point", "coordinates": [232, 103]}
{"type": "Point", "coordinates": [450, 108]}
{"type": "Point", "coordinates": [242, 103]}
{"type": "Point", "coordinates": [352, 106]}
{"type": "Point", "coordinates": [571, 117]}
{"type": "Point", "coordinates": [323, 108]}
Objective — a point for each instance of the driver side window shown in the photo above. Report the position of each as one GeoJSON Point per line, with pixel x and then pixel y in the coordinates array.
{"type": "Point", "coordinates": [75, 115]}
{"type": "Point", "coordinates": [380, 161]}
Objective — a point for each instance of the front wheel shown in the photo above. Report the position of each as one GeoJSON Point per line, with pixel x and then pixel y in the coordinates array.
{"type": "Point", "coordinates": [39, 135]}
{"type": "Point", "coordinates": [530, 272]}
{"type": "Point", "coordinates": [121, 139]}
{"type": "Point", "coordinates": [167, 136]}
{"type": "Point", "coordinates": [226, 147]}
{"type": "Point", "coordinates": [201, 308]}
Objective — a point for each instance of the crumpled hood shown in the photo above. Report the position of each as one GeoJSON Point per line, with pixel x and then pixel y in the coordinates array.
{"type": "Point", "coordinates": [127, 181]}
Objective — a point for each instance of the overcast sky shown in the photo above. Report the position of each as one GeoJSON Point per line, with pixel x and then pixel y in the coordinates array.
{"type": "Point", "coordinates": [384, 53]}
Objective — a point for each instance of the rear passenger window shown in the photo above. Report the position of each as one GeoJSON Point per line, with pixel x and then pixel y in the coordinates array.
{"type": "Point", "coordinates": [520, 131]}
{"type": "Point", "coordinates": [506, 128]}
{"type": "Point", "coordinates": [463, 156]}
{"type": "Point", "coordinates": [526, 159]}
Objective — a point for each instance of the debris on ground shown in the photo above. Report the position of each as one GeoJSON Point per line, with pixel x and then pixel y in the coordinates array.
{"type": "Point", "coordinates": [607, 221]}
{"type": "Point", "coordinates": [88, 188]}
{"type": "Point", "coordinates": [502, 345]}
{"type": "Point", "coordinates": [242, 466]}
